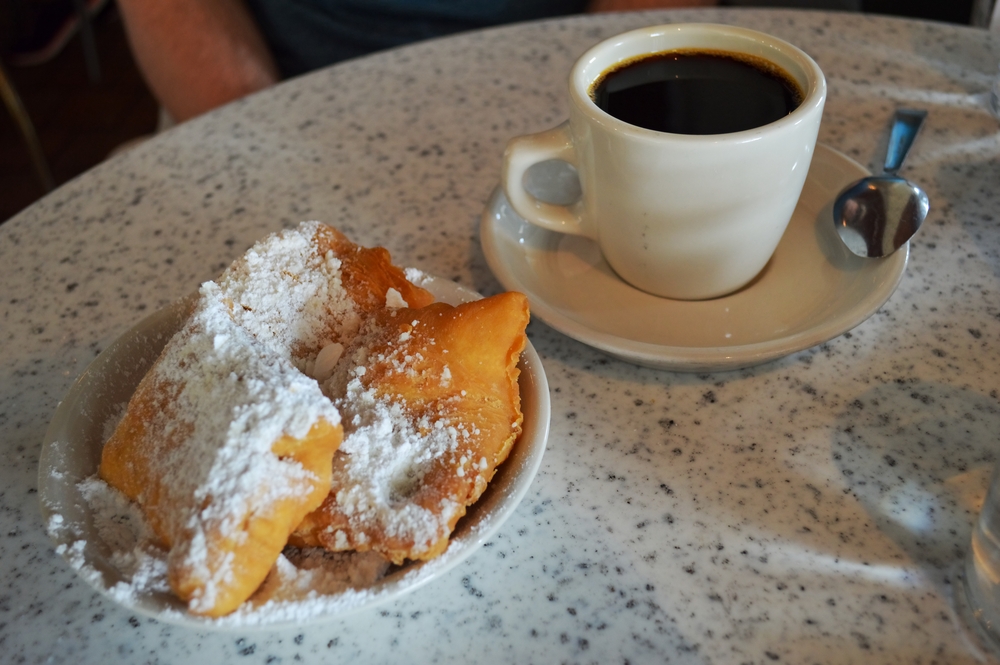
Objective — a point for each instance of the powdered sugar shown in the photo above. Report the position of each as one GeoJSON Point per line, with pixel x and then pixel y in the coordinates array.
{"type": "Point", "coordinates": [394, 299]}
{"type": "Point", "coordinates": [236, 397]}
{"type": "Point", "coordinates": [234, 387]}
{"type": "Point", "coordinates": [289, 297]}
{"type": "Point", "coordinates": [388, 452]}
{"type": "Point", "coordinates": [417, 277]}
{"type": "Point", "coordinates": [322, 368]}
{"type": "Point", "coordinates": [387, 458]}
{"type": "Point", "coordinates": [130, 546]}
{"type": "Point", "coordinates": [304, 582]}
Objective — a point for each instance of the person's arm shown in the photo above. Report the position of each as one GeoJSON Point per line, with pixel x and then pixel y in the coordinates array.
{"type": "Point", "coordinates": [630, 5]}
{"type": "Point", "coordinates": [197, 54]}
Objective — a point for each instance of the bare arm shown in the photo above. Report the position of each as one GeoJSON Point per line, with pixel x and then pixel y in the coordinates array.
{"type": "Point", "coordinates": [197, 54]}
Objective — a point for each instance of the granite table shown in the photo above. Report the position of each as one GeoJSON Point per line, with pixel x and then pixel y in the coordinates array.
{"type": "Point", "coordinates": [814, 509]}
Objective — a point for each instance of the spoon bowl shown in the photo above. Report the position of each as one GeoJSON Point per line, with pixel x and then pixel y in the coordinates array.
{"type": "Point", "coordinates": [877, 215]}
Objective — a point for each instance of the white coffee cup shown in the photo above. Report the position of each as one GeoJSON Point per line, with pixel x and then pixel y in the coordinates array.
{"type": "Point", "coordinates": [680, 216]}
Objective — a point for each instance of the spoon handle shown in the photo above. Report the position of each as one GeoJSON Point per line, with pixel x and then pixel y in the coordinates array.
{"type": "Point", "coordinates": [905, 125]}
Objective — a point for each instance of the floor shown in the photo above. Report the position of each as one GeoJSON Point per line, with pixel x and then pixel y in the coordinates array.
{"type": "Point", "coordinates": [78, 121]}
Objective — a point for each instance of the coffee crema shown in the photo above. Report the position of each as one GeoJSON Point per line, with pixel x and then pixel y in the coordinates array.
{"type": "Point", "coordinates": [697, 91]}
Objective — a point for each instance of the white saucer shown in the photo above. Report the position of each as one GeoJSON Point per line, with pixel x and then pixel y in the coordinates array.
{"type": "Point", "coordinates": [71, 453]}
{"type": "Point", "coordinates": [812, 290]}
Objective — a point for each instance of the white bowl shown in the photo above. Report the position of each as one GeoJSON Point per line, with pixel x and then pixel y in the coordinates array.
{"type": "Point", "coordinates": [71, 453]}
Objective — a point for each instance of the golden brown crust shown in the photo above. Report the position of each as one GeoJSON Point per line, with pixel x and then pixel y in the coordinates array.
{"type": "Point", "coordinates": [461, 372]}
{"type": "Point", "coordinates": [368, 273]}
{"type": "Point", "coordinates": [478, 344]}
{"type": "Point", "coordinates": [133, 461]}
{"type": "Point", "coordinates": [166, 451]}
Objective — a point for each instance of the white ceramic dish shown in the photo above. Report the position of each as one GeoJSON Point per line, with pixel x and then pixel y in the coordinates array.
{"type": "Point", "coordinates": [72, 448]}
{"type": "Point", "coordinates": [812, 290]}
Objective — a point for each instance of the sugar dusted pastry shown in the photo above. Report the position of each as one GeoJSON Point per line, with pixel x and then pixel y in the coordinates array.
{"type": "Point", "coordinates": [227, 443]}
{"type": "Point", "coordinates": [431, 408]}
{"type": "Point", "coordinates": [225, 446]}
{"type": "Point", "coordinates": [330, 283]}
{"type": "Point", "coordinates": [230, 442]}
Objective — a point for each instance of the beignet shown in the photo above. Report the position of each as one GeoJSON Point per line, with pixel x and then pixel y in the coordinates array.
{"type": "Point", "coordinates": [431, 407]}
{"type": "Point", "coordinates": [227, 444]}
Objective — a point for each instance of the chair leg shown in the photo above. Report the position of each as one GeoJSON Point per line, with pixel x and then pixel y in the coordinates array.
{"type": "Point", "coordinates": [13, 102]}
{"type": "Point", "coordinates": [89, 45]}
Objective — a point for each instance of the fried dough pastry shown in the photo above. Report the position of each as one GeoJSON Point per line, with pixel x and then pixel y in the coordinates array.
{"type": "Point", "coordinates": [431, 407]}
{"type": "Point", "coordinates": [227, 444]}
{"type": "Point", "coordinates": [332, 284]}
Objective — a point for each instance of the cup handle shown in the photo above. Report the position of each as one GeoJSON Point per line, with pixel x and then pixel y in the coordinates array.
{"type": "Point", "coordinates": [524, 151]}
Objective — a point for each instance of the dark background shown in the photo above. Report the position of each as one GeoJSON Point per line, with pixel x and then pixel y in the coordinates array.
{"type": "Point", "coordinates": [952, 11]}
{"type": "Point", "coordinates": [78, 121]}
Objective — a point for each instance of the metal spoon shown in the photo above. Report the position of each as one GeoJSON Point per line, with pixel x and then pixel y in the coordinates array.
{"type": "Point", "coordinates": [877, 215]}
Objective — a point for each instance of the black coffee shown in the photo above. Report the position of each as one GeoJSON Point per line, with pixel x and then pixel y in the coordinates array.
{"type": "Point", "coordinates": [697, 92]}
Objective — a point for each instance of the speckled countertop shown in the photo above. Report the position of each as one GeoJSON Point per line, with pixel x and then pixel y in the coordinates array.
{"type": "Point", "coordinates": [814, 509]}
